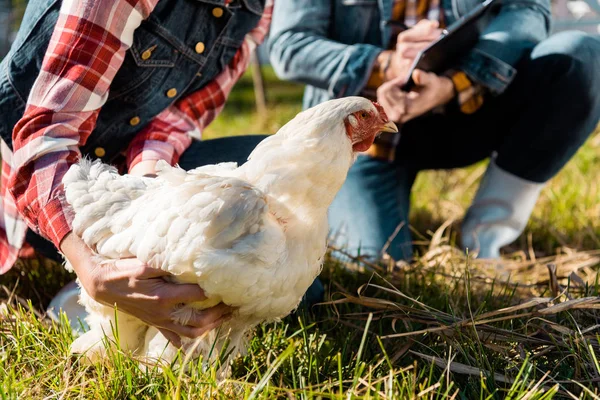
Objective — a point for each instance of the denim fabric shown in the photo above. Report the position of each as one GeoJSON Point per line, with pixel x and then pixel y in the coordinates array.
{"type": "Point", "coordinates": [172, 31]}
{"type": "Point", "coordinates": [535, 127]}
{"type": "Point", "coordinates": [372, 207]}
{"type": "Point", "coordinates": [330, 45]}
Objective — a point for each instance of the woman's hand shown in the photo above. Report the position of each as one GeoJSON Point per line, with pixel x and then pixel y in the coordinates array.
{"type": "Point", "coordinates": [409, 44]}
{"type": "Point", "coordinates": [141, 291]}
{"type": "Point", "coordinates": [430, 92]}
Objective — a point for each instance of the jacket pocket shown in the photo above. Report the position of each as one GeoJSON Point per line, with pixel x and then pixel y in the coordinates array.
{"type": "Point", "coordinates": [149, 49]}
{"type": "Point", "coordinates": [149, 55]}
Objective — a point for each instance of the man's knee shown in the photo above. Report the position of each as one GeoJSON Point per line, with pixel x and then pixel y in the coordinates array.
{"type": "Point", "coordinates": [573, 55]}
{"type": "Point", "coordinates": [571, 61]}
{"type": "Point", "coordinates": [575, 44]}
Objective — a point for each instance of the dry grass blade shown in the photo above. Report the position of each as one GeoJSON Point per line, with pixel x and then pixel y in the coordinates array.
{"type": "Point", "coordinates": [459, 368]}
{"type": "Point", "coordinates": [528, 304]}
{"type": "Point", "coordinates": [428, 390]}
{"type": "Point", "coordinates": [554, 286]}
{"type": "Point", "coordinates": [535, 387]}
{"type": "Point", "coordinates": [584, 303]}
{"type": "Point", "coordinates": [436, 239]}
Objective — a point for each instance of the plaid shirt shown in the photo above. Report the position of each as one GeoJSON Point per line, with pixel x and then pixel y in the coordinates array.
{"type": "Point", "coordinates": [86, 50]}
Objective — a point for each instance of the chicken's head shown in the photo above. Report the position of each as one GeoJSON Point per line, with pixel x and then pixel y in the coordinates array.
{"type": "Point", "coordinates": [364, 124]}
{"type": "Point", "coordinates": [337, 129]}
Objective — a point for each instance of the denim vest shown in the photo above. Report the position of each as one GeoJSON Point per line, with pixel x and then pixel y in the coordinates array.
{"type": "Point", "coordinates": [181, 46]}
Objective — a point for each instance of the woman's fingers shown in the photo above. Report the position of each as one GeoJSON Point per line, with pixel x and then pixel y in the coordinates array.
{"type": "Point", "coordinates": [411, 49]}
{"type": "Point", "coordinates": [193, 331]}
{"type": "Point", "coordinates": [171, 337]}
{"type": "Point", "coordinates": [202, 318]}
{"type": "Point", "coordinates": [424, 30]}
{"type": "Point", "coordinates": [392, 99]}
{"type": "Point", "coordinates": [185, 293]}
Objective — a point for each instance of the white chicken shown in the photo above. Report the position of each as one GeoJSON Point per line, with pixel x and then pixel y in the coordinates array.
{"type": "Point", "coordinates": [252, 237]}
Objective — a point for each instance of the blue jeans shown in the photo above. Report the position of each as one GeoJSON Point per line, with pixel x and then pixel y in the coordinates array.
{"type": "Point", "coordinates": [535, 127]}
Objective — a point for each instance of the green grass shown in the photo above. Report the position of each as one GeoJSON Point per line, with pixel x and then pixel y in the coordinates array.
{"type": "Point", "coordinates": [441, 327]}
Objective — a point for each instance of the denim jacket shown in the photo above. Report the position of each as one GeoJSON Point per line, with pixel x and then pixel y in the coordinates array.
{"type": "Point", "coordinates": [331, 45]}
{"type": "Point", "coordinates": [138, 88]}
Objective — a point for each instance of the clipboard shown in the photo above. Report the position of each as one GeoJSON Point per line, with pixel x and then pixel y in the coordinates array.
{"type": "Point", "coordinates": [454, 42]}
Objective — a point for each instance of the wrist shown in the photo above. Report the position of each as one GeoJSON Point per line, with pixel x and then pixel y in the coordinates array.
{"type": "Point", "coordinates": [144, 168]}
{"type": "Point", "coordinates": [447, 90]}
{"type": "Point", "coordinates": [383, 63]}
{"type": "Point", "coordinates": [80, 256]}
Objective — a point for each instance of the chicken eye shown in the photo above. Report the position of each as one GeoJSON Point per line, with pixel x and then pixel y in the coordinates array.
{"type": "Point", "coordinates": [363, 115]}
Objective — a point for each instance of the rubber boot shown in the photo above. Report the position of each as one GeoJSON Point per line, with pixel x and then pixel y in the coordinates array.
{"type": "Point", "coordinates": [499, 212]}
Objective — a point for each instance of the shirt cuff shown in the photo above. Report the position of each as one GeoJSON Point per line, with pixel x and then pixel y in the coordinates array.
{"type": "Point", "coordinates": [55, 221]}
{"type": "Point", "coordinates": [151, 150]}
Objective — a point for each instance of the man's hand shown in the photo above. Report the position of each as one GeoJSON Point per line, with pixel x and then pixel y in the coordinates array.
{"type": "Point", "coordinates": [141, 291]}
{"type": "Point", "coordinates": [430, 92]}
{"type": "Point", "coordinates": [409, 44]}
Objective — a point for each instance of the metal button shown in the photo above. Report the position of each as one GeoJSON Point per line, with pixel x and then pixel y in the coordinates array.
{"type": "Point", "coordinates": [217, 12]}
{"type": "Point", "coordinates": [134, 121]}
{"type": "Point", "coordinates": [171, 93]}
{"type": "Point", "coordinates": [199, 47]}
{"type": "Point", "coordinates": [99, 152]}
{"type": "Point", "coordinates": [146, 55]}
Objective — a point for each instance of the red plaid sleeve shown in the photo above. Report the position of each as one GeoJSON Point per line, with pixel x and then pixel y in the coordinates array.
{"type": "Point", "coordinates": [171, 132]}
{"type": "Point", "coordinates": [86, 50]}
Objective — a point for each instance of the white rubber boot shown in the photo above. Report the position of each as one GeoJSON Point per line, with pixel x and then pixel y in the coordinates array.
{"type": "Point", "coordinates": [499, 212]}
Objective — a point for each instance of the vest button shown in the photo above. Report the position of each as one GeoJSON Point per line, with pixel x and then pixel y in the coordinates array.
{"type": "Point", "coordinates": [146, 55]}
{"type": "Point", "coordinates": [171, 93]}
{"type": "Point", "coordinates": [217, 12]}
{"type": "Point", "coordinates": [134, 121]}
{"type": "Point", "coordinates": [199, 47]}
{"type": "Point", "coordinates": [99, 152]}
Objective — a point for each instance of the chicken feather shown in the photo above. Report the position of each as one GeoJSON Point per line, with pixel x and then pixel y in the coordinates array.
{"type": "Point", "coordinates": [252, 237]}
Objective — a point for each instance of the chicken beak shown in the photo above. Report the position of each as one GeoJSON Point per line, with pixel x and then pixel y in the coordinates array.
{"type": "Point", "coordinates": [389, 127]}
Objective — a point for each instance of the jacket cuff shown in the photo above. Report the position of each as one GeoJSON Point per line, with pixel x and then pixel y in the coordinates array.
{"type": "Point", "coordinates": [354, 71]}
{"type": "Point", "coordinates": [54, 220]}
{"type": "Point", "coordinates": [469, 96]}
{"type": "Point", "coordinates": [488, 71]}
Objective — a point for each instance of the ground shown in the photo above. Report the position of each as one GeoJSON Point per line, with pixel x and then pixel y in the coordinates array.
{"type": "Point", "coordinates": [442, 327]}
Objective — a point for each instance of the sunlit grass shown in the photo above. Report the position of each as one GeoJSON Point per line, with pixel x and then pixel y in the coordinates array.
{"type": "Point", "coordinates": [441, 327]}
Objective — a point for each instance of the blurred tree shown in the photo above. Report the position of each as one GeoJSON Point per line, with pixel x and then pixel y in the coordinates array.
{"type": "Point", "coordinates": [5, 26]}
{"type": "Point", "coordinates": [11, 13]}
{"type": "Point", "coordinates": [18, 9]}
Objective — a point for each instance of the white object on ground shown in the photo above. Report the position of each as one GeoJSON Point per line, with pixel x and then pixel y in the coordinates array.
{"type": "Point", "coordinates": [499, 212]}
{"type": "Point", "coordinates": [67, 301]}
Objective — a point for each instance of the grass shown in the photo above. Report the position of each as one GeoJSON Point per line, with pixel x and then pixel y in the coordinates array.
{"type": "Point", "coordinates": [442, 327]}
